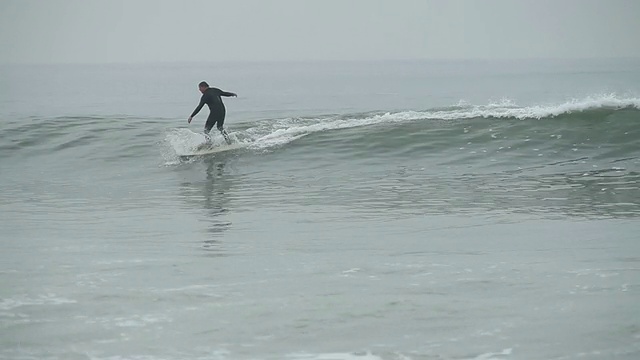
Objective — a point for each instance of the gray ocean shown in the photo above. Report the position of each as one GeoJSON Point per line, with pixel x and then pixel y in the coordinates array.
{"type": "Point", "coordinates": [399, 210]}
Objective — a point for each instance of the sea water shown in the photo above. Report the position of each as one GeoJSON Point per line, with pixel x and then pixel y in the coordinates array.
{"type": "Point", "coordinates": [375, 210]}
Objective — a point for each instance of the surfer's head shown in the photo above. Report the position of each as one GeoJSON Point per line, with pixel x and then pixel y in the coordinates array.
{"type": "Point", "coordinates": [203, 86]}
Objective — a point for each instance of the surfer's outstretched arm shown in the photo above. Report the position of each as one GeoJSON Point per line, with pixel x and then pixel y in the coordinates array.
{"type": "Point", "coordinates": [228, 94]}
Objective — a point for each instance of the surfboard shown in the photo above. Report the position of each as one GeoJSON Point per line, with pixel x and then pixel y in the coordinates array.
{"type": "Point", "coordinates": [208, 150]}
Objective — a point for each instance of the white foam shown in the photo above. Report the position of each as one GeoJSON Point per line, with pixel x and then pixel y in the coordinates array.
{"type": "Point", "coordinates": [47, 299]}
{"type": "Point", "coordinates": [508, 109]}
{"type": "Point", "coordinates": [214, 355]}
{"type": "Point", "coordinates": [494, 356]}
{"type": "Point", "coordinates": [289, 130]}
{"type": "Point", "coordinates": [339, 356]}
{"type": "Point", "coordinates": [183, 140]}
{"type": "Point", "coordinates": [128, 357]}
{"type": "Point", "coordinates": [140, 320]}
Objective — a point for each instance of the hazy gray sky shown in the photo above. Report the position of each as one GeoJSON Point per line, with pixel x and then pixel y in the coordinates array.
{"type": "Point", "coordinates": [253, 30]}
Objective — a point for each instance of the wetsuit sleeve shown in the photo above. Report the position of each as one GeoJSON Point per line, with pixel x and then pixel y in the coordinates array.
{"type": "Point", "coordinates": [197, 110]}
{"type": "Point", "coordinates": [223, 93]}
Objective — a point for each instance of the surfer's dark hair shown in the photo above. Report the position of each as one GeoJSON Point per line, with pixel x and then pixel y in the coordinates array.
{"type": "Point", "coordinates": [203, 84]}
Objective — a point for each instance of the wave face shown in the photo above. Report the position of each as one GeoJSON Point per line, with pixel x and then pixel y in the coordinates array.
{"type": "Point", "coordinates": [594, 124]}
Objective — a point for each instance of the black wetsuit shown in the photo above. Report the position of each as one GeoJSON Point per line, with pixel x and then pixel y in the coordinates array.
{"type": "Point", "coordinates": [211, 97]}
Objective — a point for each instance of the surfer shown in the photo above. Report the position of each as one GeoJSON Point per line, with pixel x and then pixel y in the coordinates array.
{"type": "Point", "coordinates": [211, 97]}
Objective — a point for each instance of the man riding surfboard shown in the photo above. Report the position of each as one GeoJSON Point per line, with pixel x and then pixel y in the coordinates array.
{"type": "Point", "coordinates": [212, 97]}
